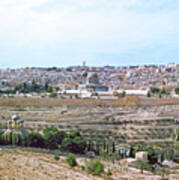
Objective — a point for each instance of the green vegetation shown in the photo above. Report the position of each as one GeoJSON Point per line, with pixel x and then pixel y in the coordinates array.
{"type": "Point", "coordinates": [177, 90]}
{"type": "Point", "coordinates": [82, 167]}
{"type": "Point", "coordinates": [152, 154]}
{"type": "Point", "coordinates": [74, 142]}
{"type": "Point", "coordinates": [53, 95]}
{"type": "Point", "coordinates": [56, 157]}
{"type": "Point", "coordinates": [28, 88]}
{"type": "Point", "coordinates": [121, 95]}
{"type": "Point", "coordinates": [176, 158]}
{"type": "Point", "coordinates": [109, 173]}
{"type": "Point", "coordinates": [51, 138]}
{"type": "Point", "coordinates": [154, 90]}
{"type": "Point", "coordinates": [95, 167]}
{"type": "Point", "coordinates": [143, 165]}
{"type": "Point", "coordinates": [177, 134]}
{"type": "Point", "coordinates": [34, 139]}
{"type": "Point", "coordinates": [164, 172]}
{"type": "Point", "coordinates": [156, 152]}
{"type": "Point", "coordinates": [158, 91]}
{"type": "Point", "coordinates": [71, 160]}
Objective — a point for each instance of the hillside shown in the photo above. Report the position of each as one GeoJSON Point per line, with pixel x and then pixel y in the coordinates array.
{"type": "Point", "coordinates": [19, 164]}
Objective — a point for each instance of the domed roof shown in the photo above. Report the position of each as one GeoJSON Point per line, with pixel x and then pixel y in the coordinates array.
{"type": "Point", "coordinates": [15, 117]}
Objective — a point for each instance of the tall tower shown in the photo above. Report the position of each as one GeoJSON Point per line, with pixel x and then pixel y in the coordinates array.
{"type": "Point", "coordinates": [84, 63]}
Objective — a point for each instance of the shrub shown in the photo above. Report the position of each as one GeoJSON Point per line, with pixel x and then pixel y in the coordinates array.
{"type": "Point", "coordinates": [1, 138]}
{"type": "Point", "coordinates": [176, 158]}
{"type": "Point", "coordinates": [177, 90]}
{"type": "Point", "coordinates": [143, 165]}
{"type": "Point", "coordinates": [82, 167]}
{"type": "Point", "coordinates": [34, 139]}
{"type": "Point", "coordinates": [120, 95]}
{"type": "Point", "coordinates": [109, 173]}
{"type": "Point", "coordinates": [154, 90]}
{"type": "Point", "coordinates": [56, 157]}
{"type": "Point", "coordinates": [71, 160]}
{"type": "Point", "coordinates": [164, 172]}
{"type": "Point", "coordinates": [95, 167]}
{"type": "Point", "coordinates": [53, 95]}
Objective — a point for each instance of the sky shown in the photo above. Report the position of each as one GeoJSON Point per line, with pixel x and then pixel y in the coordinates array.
{"type": "Point", "coordinates": [46, 33]}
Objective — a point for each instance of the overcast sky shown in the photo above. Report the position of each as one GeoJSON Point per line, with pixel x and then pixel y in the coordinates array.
{"type": "Point", "coordinates": [101, 32]}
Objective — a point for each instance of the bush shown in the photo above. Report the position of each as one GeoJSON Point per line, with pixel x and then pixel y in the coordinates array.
{"type": "Point", "coordinates": [71, 160]}
{"type": "Point", "coordinates": [164, 172]}
{"type": "Point", "coordinates": [176, 158]}
{"type": "Point", "coordinates": [121, 95]}
{"type": "Point", "coordinates": [56, 157]}
{"type": "Point", "coordinates": [154, 90]}
{"type": "Point", "coordinates": [95, 167]}
{"type": "Point", "coordinates": [34, 140]}
{"type": "Point", "coordinates": [1, 138]}
{"type": "Point", "coordinates": [82, 167]}
{"type": "Point", "coordinates": [177, 90]}
{"type": "Point", "coordinates": [53, 95]}
{"type": "Point", "coordinates": [143, 165]}
{"type": "Point", "coordinates": [109, 173]}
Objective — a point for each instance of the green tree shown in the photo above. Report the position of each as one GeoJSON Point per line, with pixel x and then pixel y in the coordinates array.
{"type": "Point", "coordinates": [50, 89]}
{"type": "Point", "coordinates": [177, 90]}
{"type": "Point", "coordinates": [74, 142]}
{"type": "Point", "coordinates": [34, 139]}
{"type": "Point", "coordinates": [71, 160]}
{"type": "Point", "coordinates": [53, 137]}
{"type": "Point", "coordinates": [154, 90]}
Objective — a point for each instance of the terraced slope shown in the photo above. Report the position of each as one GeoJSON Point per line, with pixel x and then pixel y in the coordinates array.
{"type": "Point", "coordinates": [100, 122]}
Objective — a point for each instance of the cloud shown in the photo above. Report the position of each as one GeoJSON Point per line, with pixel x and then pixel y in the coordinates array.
{"type": "Point", "coordinates": [88, 26]}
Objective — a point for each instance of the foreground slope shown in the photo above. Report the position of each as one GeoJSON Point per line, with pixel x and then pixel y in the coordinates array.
{"type": "Point", "coordinates": [21, 164]}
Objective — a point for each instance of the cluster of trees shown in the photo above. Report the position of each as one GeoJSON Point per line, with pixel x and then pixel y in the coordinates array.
{"type": "Point", "coordinates": [34, 87]}
{"type": "Point", "coordinates": [158, 91]}
{"type": "Point", "coordinates": [177, 90]}
{"type": "Point", "coordinates": [28, 88]}
{"type": "Point", "coordinates": [155, 90]}
{"type": "Point", "coordinates": [51, 138]}
{"type": "Point", "coordinates": [156, 153]}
